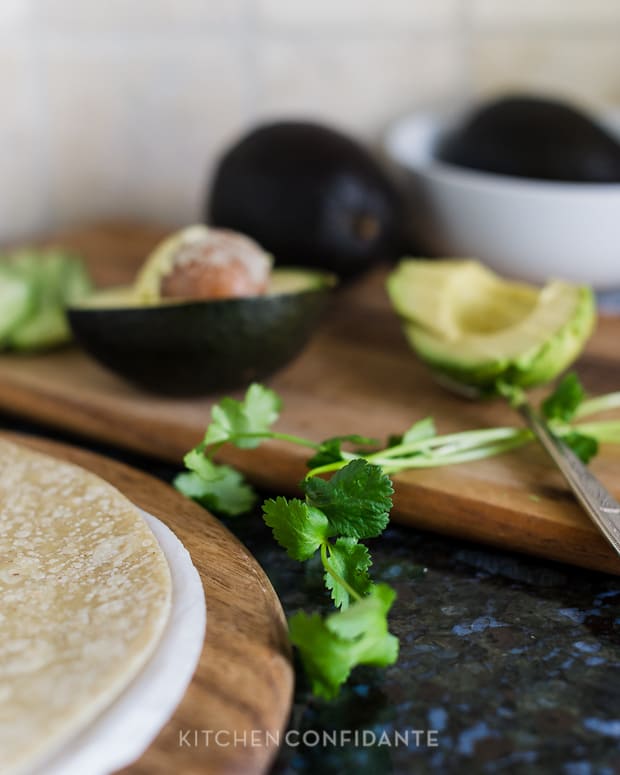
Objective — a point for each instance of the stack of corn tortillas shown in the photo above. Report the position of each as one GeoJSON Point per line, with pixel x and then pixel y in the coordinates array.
{"type": "Point", "coordinates": [84, 597]}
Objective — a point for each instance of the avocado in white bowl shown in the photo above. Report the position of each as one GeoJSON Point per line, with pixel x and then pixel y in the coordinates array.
{"type": "Point", "coordinates": [523, 228]}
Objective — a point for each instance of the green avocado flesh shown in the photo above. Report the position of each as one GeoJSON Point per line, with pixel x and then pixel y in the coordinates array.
{"type": "Point", "coordinates": [282, 281]}
{"type": "Point", "coordinates": [479, 329]}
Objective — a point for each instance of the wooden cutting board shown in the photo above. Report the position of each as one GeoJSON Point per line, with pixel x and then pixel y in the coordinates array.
{"type": "Point", "coordinates": [244, 679]}
{"type": "Point", "coordinates": [357, 376]}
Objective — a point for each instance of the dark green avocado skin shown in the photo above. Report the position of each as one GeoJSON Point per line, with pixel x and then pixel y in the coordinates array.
{"type": "Point", "coordinates": [310, 196]}
{"type": "Point", "coordinates": [196, 348]}
{"type": "Point", "coordinates": [532, 137]}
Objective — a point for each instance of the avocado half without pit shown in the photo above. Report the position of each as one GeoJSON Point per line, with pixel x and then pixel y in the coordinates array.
{"type": "Point", "coordinates": [206, 313]}
{"type": "Point", "coordinates": [482, 331]}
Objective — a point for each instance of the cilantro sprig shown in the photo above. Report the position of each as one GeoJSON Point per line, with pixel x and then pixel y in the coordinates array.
{"type": "Point", "coordinates": [338, 513]}
{"type": "Point", "coordinates": [331, 647]}
{"type": "Point", "coordinates": [353, 505]}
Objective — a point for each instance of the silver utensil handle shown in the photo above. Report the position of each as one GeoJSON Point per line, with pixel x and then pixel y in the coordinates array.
{"type": "Point", "coordinates": [593, 496]}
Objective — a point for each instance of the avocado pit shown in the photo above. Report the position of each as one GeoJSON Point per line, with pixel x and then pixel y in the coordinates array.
{"type": "Point", "coordinates": [223, 265]}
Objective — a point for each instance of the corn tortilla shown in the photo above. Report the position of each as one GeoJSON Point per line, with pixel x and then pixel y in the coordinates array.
{"type": "Point", "coordinates": [85, 593]}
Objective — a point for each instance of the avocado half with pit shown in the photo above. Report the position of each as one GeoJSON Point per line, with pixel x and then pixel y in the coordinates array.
{"type": "Point", "coordinates": [185, 348]}
{"type": "Point", "coordinates": [480, 330]}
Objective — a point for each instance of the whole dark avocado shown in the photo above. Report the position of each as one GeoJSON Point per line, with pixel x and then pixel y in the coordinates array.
{"type": "Point", "coordinates": [309, 195]}
{"type": "Point", "coordinates": [533, 137]}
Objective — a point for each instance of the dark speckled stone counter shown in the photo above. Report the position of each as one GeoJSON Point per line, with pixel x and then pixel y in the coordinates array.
{"type": "Point", "coordinates": [514, 662]}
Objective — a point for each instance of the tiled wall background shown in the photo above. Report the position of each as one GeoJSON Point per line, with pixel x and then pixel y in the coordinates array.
{"type": "Point", "coordinates": [119, 108]}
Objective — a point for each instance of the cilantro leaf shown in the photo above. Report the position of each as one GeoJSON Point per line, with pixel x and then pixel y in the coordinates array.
{"type": "Point", "coordinates": [218, 488]}
{"type": "Point", "coordinates": [364, 614]}
{"type": "Point", "coordinates": [356, 500]}
{"type": "Point", "coordinates": [330, 648]}
{"type": "Point", "coordinates": [420, 431]}
{"type": "Point", "coordinates": [565, 399]}
{"type": "Point", "coordinates": [326, 658]}
{"type": "Point", "coordinates": [228, 495]}
{"type": "Point", "coordinates": [296, 526]}
{"type": "Point", "coordinates": [330, 450]}
{"type": "Point", "coordinates": [585, 447]}
{"type": "Point", "coordinates": [261, 406]}
{"type": "Point", "coordinates": [231, 420]}
{"type": "Point", "coordinates": [196, 460]}
{"type": "Point", "coordinates": [350, 561]}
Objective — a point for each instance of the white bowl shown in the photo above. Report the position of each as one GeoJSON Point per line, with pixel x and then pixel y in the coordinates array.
{"type": "Point", "coordinates": [527, 229]}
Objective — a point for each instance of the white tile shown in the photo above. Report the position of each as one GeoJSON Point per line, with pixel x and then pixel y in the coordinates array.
{"type": "Point", "coordinates": [360, 85]}
{"type": "Point", "coordinates": [558, 13]}
{"type": "Point", "coordinates": [354, 14]}
{"type": "Point", "coordinates": [580, 68]}
{"type": "Point", "coordinates": [23, 195]}
{"type": "Point", "coordinates": [14, 16]}
{"type": "Point", "coordinates": [134, 132]}
{"type": "Point", "coordinates": [136, 16]}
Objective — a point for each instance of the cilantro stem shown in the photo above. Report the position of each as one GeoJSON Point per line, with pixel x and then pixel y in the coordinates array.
{"type": "Point", "coordinates": [604, 430]}
{"type": "Point", "coordinates": [467, 446]}
{"type": "Point", "coordinates": [212, 451]}
{"type": "Point", "coordinates": [598, 404]}
{"type": "Point", "coordinates": [295, 440]}
{"type": "Point", "coordinates": [463, 439]}
{"type": "Point", "coordinates": [477, 453]}
{"type": "Point", "coordinates": [327, 468]}
{"type": "Point", "coordinates": [336, 576]}
{"type": "Point", "coordinates": [439, 450]}
{"type": "Point", "coordinates": [271, 435]}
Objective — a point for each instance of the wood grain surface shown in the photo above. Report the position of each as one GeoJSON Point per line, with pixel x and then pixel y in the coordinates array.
{"type": "Point", "coordinates": [244, 679]}
{"type": "Point", "coordinates": [357, 376]}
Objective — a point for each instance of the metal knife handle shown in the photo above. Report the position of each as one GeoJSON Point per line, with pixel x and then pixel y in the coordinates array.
{"type": "Point", "coordinates": [595, 499]}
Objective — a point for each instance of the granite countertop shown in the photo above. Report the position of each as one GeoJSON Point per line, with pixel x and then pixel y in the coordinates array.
{"type": "Point", "coordinates": [512, 661]}
{"type": "Point", "coordinates": [515, 662]}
